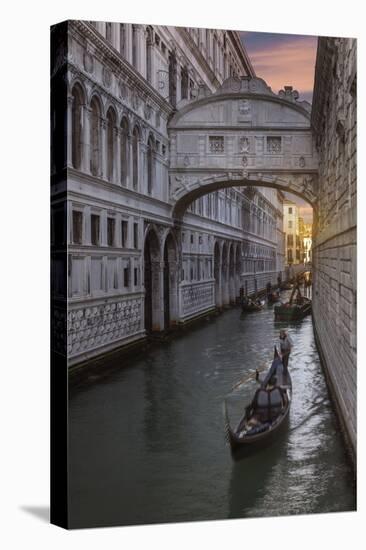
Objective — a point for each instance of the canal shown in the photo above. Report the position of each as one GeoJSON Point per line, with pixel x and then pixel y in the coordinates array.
{"type": "Point", "coordinates": [147, 434]}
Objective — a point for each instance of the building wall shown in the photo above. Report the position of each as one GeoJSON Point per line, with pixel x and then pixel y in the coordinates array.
{"type": "Point", "coordinates": [123, 83]}
{"type": "Point", "coordinates": [334, 246]}
{"type": "Point", "coordinates": [291, 230]}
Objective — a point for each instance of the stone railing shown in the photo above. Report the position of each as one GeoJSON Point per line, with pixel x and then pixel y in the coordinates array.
{"type": "Point", "coordinates": [195, 298]}
{"type": "Point", "coordinates": [102, 322]}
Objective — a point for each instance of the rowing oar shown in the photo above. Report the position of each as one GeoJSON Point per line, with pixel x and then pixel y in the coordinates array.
{"type": "Point", "coordinates": [254, 374]}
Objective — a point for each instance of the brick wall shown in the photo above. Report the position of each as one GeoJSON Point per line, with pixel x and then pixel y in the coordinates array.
{"type": "Point", "coordinates": [334, 246]}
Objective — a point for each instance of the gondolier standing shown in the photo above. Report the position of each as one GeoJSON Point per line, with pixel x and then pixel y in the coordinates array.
{"type": "Point", "coordinates": [285, 348]}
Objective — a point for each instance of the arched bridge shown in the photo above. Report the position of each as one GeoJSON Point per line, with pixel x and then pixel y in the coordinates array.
{"type": "Point", "coordinates": [242, 135]}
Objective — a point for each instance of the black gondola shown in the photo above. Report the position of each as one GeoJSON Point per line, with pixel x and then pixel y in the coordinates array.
{"type": "Point", "coordinates": [267, 413]}
{"type": "Point", "coordinates": [293, 310]}
{"type": "Point", "coordinates": [249, 306]}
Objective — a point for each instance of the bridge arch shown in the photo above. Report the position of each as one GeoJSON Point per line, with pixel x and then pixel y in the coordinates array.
{"type": "Point", "coordinates": [242, 135]}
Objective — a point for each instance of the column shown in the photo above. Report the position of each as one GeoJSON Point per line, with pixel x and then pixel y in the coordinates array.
{"type": "Point", "coordinates": [128, 43]}
{"type": "Point", "coordinates": [129, 182]}
{"type": "Point", "coordinates": [86, 140]}
{"type": "Point", "coordinates": [117, 156]}
{"type": "Point", "coordinates": [103, 160]}
{"type": "Point", "coordinates": [70, 101]}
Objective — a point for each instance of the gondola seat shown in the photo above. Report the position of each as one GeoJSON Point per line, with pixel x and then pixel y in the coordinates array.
{"type": "Point", "coordinates": [267, 404]}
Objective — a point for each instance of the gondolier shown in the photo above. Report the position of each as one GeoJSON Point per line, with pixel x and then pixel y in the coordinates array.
{"type": "Point", "coordinates": [285, 348]}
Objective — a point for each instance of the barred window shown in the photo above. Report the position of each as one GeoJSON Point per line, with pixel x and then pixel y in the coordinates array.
{"type": "Point", "coordinates": [216, 144]}
{"type": "Point", "coordinates": [274, 145]}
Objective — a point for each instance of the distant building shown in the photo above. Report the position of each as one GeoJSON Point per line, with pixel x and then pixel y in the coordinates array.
{"type": "Point", "coordinates": [291, 231]}
{"type": "Point", "coordinates": [306, 241]}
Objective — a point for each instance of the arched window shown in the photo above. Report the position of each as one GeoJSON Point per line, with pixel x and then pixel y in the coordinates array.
{"type": "Point", "coordinates": [149, 42]}
{"type": "Point", "coordinates": [135, 46]}
{"type": "Point", "coordinates": [150, 165]}
{"type": "Point", "coordinates": [124, 152]}
{"type": "Point", "coordinates": [95, 139]}
{"type": "Point", "coordinates": [77, 113]}
{"type": "Point", "coordinates": [135, 157]}
{"type": "Point", "coordinates": [111, 141]}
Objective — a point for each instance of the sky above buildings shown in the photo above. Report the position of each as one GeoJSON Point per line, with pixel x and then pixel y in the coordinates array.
{"type": "Point", "coordinates": [283, 60]}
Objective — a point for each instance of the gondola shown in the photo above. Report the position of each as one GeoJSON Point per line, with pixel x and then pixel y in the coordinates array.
{"type": "Point", "coordinates": [293, 310]}
{"type": "Point", "coordinates": [251, 306]}
{"type": "Point", "coordinates": [265, 416]}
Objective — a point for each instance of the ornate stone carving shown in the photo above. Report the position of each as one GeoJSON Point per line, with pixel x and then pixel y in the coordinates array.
{"type": "Point", "coordinates": [88, 62]}
{"type": "Point", "coordinates": [244, 107]}
{"type": "Point", "coordinates": [235, 84]}
{"type": "Point", "coordinates": [289, 93]}
{"type": "Point", "coordinates": [244, 144]}
{"type": "Point", "coordinates": [147, 111]}
{"type": "Point", "coordinates": [196, 298]}
{"type": "Point", "coordinates": [302, 162]}
{"type": "Point", "coordinates": [122, 90]}
{"type": "Point", "coordinates": [186, 161]}
{"type": "Point", "coordinates": [135, 101]}
{"type": "Point", "coordinates": [107, 77]}
{"type": "Point", "coordinates": [92, 326]}
{"type": "Point", "coordinates": [244, 160]}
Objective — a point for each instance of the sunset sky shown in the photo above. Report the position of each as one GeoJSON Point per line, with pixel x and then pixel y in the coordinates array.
{"type": "Point", "coordinates": [283, 60]}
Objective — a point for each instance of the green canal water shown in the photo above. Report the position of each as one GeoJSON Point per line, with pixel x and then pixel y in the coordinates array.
{"type": "Point", "coordinates": [147, 433]}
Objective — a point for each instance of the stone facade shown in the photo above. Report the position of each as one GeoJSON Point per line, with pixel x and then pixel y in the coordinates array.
{"type": "Point", "coordinates": [334, 246]}
{"type": "Point", "coordinates": [131, 269]}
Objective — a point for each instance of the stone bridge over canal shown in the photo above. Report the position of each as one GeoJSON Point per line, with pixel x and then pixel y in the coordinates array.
{"type": "Point", "coordinates": [242, 135]}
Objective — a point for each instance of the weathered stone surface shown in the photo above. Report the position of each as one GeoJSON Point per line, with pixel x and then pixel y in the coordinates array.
{"type": "Point", "coordinates": [334, 246]}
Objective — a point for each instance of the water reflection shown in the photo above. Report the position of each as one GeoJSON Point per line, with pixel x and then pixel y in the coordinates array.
{"type": "Point", "coordinates": [147, 439]}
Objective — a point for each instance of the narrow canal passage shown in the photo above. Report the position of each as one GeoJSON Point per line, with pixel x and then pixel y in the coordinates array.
{"type": "Point", "coordinates": [147, 439]}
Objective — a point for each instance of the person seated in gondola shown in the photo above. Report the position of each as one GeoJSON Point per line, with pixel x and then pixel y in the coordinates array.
{"type": "Point", "coordinates": [258, 302]}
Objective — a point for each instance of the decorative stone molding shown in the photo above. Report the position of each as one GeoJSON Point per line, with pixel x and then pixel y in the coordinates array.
{"type": "Point", "coordinates": [107, 77]}
{"type": "Point", "coordinates": [92, 326]}
{"type": "Point", "coordinates": [88, 61]}
{"type": "Point", "coordinates": [196, 297]}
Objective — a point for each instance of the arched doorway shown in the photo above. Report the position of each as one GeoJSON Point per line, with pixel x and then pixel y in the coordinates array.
{"type": "Point", "coordinates": [217, 275]}
{"type": "Point", "coordinates": [152, 282]}
{"type": "Point", "coordinates": [170, 282]}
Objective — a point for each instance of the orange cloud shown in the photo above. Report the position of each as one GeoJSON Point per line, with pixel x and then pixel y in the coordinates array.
{"type": "Point", "coordinates": [288, 63]}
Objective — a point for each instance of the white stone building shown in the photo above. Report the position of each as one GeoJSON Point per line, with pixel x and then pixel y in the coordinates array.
{"type": "Point", "coordinates": [131, 270]}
